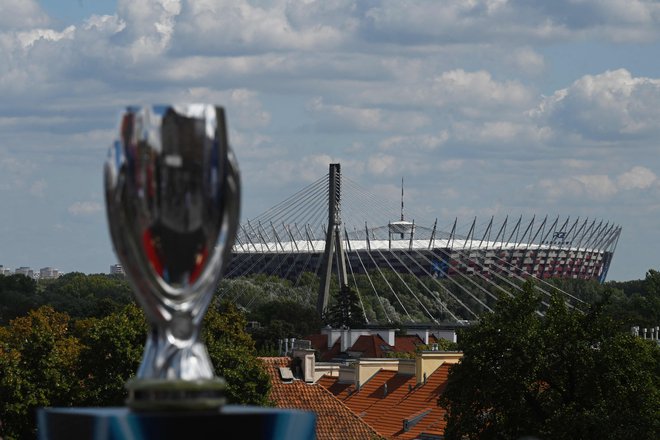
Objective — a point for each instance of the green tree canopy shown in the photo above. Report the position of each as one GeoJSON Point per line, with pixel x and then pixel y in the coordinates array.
{"type": "Point", "coordinates": [49, 359]}
{"type": "Point", "coordinates": [38, 367]}
{"type": "Point", "coordinates": [346, 311]}
{"type": "Point", "coordinates": [233, 355]}
{"type": "Point", "coordinates": [111, 354]}
{"type": "Point", "coordinates": [566, 376]}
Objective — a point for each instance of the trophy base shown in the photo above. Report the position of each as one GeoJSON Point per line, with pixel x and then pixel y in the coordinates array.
{"type": "Point", "coordinates": [176, 395]}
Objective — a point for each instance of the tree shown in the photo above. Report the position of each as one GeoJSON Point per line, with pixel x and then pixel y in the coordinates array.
{"type": "Point", "coordinates": [83, 296]}
{"type": "Point", "coordinates": [38, 367]}
{"type": "Point", "coordinates": [346, 311]}
{"type": "Point", "coordinates": [570, 375]}
{"type": "Point", "coordinates": [17, 296]}
{"type": "Point", "coordinates": [282, 318]}
{"type": "Point", "coordinates": [233, 355]}
{"type": "Point", "coordinates": [111, 354]}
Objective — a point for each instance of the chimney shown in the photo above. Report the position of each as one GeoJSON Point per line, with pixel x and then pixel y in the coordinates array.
{"type": "Point", "coordinates": [307, 363]}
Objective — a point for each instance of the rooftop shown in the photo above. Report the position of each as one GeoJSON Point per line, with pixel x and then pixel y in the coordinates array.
{"type": "Point", "coordinates": [395, 404]}
{"type": "Point", "coordinates": [334, 420]}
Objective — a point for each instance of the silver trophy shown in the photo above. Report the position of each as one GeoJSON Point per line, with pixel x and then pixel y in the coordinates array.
{"type": "Point", "coordinates": [173, 197]}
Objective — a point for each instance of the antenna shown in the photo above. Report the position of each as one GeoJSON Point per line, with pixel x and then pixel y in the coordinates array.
{"type": "Point", "coordinates": [402, 199]}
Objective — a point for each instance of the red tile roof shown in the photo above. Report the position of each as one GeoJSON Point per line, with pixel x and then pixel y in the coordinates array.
{"type": "Point", "coordinates": [371, 346]}
{"type": "Point", "coordinates": [387, 411]}
{"type": "Point", "coordinates": [320, 343]}
{"type": "Point", "coordinates": [407, 343]}
{"type": "Point", "coordinates": [334, 420]}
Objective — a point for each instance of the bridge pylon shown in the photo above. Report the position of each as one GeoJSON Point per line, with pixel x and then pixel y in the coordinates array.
{"type": "Point", "coordinates": [333, 242]}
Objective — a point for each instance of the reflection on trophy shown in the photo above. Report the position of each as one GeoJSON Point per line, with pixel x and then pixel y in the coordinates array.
{"type": "Point", "coordinates": [173, 197]}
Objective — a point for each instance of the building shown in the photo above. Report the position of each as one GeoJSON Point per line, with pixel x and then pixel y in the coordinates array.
{"type": "Point", "coordinates": [116, 269]}
{"type": "Point", "coordinates": [334, 420]}
{"type": "Point", "coordinates": [398, 397]}
{"type": "Point", "coordinates": [395, 398]}
{"type": "Point", "coordinates": [26, 271]}
{"type": "Point", "coordinates": [378, 342]}
{"type": "Point", "coordinates": [5, 270]}
{"type": "Point", "coordinates": [564, 254]}
{"type": "Point", "coordinates": [48, 273]}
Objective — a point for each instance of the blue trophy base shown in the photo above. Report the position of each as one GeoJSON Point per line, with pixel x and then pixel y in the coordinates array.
{"type": "Point", "coordinates": [231, 421]}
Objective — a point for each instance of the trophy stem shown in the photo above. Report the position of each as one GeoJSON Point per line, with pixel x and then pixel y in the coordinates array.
{"type": "Point", "coordinates": [175, 375]}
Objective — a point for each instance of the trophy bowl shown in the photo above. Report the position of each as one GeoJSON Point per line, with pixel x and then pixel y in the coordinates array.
{"type": "Point", "coordinates": [172, 191]}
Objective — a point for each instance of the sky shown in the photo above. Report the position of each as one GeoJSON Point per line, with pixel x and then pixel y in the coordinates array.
{"type": "Point", "coordinates": [485, 107]}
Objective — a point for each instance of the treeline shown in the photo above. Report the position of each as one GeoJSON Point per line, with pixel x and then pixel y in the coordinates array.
{"type": "Point", "coordinates": [76, 294]}
{"type": "Point", "coordinates": [286, 309]}
{"type": "Point", "coordinates": [388, 297]}
{"type": "Point", "coordinates": [77, 339]}
{"type": "Point", "coordinates": [81, 338]}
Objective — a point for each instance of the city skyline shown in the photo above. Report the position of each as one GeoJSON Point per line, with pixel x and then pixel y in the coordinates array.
{"type": "Point", "coordinates": [485, 108]}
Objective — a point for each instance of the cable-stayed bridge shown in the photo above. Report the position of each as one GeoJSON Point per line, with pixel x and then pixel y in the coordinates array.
{"type": "Point", "coordinates": [345, 235]}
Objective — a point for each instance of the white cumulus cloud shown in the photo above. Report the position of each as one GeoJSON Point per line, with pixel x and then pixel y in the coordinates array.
{"type": "Point", "coordinates": [21, 14]}
{"type": "Point", "coordinates": [637, 178]}
{"type": "Point", "coordinates": [610, 105]}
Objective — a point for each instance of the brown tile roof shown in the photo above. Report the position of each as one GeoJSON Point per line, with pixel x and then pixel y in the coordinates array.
{"type": "Point", "coordinates": [407, 343]}
{"type": "Point", "coordinates": [371, 346]}
{"type": "Point", "coordinates": [386, 412]}
{"type": "Point", "coordinates": [333, 419]}
{"type": "Point", "coordinates": [320, 342]}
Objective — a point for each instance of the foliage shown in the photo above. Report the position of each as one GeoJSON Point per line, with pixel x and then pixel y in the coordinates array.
{"type": "Point", "coordinates": [233, 354]}
{"type": "Point", "coordinates": [346, 311]}
{"type": "Point", "coordinates": [111, 354]}
{"type": "Point", "coordinates": [566, 376]}
{"type": "Point", "coordinates": [38, 367]}
{"type": "Point", "coordinates": [17, 296]}
{"type": "Point", "coordinates": [281, 309]}
{"type": "Point", "coordinates": [48, 358]}
{"type": "Point", "coordinates": [75, 294]}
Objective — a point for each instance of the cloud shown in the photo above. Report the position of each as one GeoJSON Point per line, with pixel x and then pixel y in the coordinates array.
{"type": "Point", "coordinates": [149, 25]}
{"type": "Point", "coordinates": [85, 208]}
{"type": "Point", "coordinates": [614, 20]}
{"type": "Point", "coordinates": [500, 133]}
{"type": "Point", "coordinates": [470, 94]}
{"type": "Point", "coordinates": [29, 37]}
{"type": "Point", "coordinates": [344, 117]}
{"type": "Point", "coordinates": [24, 14]}
{"type": "Point", "coordinates": [611, 105]}
{"type": "Point", "coordinates": [596, 186]}
{"type": "Point", "coordinates": [209, 26]}
{"type": "Point", "coordinates": [382, 164]}
{"type": "Point", "coordinates": [502, 21]}
{"type": "Point", "coordinates": [527, 60]}
{"type": "Point", "coordinates": [637, 178]}
{"type": "Point", "coordinates": [422, 143]}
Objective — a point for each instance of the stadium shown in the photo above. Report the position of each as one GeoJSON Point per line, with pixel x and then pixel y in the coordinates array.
{"type": "Point", "coordinates": [334, 226]}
